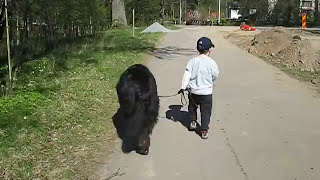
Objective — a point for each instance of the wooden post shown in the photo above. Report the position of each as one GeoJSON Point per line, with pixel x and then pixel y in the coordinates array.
{"type": "Point", "coordinates": [18, 33]}
{"type": "Point", "coordinates": [173, 14]}
{"type": "Point", "coordinates": [133, 22]}
{"type": "Point", "coordinates": [174, 17]}
{"type": "Point", "coordinates": [219, 18]}
{"type": "Point", "coordinates": [8, 43]}
{"type": "Point", "coordinates": [185, 10]}
{"type": "Point", "coordinates": [180, 12]}
{"type": "Point", "coordinates": [226, 9]}
{"type": "Point", "coordinates": [91, 28]}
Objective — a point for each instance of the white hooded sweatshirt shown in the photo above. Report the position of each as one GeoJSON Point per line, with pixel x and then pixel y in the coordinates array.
{"type": "Point", "coordinates": [200, 74]}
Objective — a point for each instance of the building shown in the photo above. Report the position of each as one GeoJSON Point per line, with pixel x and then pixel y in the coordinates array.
{"type": "Point", "coordinates": [233, 9]}
{"type": "Point", "coordinates": [308, 5]}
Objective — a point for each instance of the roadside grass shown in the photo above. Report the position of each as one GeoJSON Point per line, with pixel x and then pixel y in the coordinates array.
{"type": "Point", "coordinates": [58, 122]}
{"type": "Point", "coordinates": [307, 76]}
{"type": "Point", "coordinates": [296, 73]}
{"type": "Point", "coordinates": [172, 27]}
{"type": "Point", "coordinates": [166, 25]}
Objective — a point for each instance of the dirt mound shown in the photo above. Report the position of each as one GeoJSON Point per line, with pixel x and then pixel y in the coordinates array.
{"type": "Point", "coordinates": [299, 54]}
{"type": "Point", "coordinates": [279, 45]}
{"type": "Point", "coordinates": [243, 41]}
{"type": "Point", "coordinates": [272, 41]}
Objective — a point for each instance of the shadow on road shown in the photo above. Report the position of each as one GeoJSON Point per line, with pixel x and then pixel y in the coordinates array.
{"type": "Point", "coordinates": [176, 115]}
{"type": "Point", "coordinates": [170, 52]}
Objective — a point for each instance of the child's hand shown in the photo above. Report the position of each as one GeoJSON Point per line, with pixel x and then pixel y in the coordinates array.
{"type": "Point", "coordinates": [181, 91]}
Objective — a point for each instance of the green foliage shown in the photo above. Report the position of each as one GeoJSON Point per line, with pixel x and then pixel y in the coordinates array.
{"type": "Point", "coordinates": [146, 11]}
{"type": "Point", "coordinates": [13, 109]}
{"type": "Point", "coordinates": [37, 27]}
{"type": "Point", "coordinates": [14, 112]}
{"type": "Point", "coordinates": [230, 22]}
{"type": "Point", "coordinates": [59, 120]}
{"type": "Point", "coordinates": [287, 13]}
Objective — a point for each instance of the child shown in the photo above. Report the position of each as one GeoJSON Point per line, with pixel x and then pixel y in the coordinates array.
{"type": "Point", "coordinates": [199, 76]}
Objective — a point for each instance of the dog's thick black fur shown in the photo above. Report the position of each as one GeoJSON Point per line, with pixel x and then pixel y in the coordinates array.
{"type": "Point", "coordinates": [139, 107]}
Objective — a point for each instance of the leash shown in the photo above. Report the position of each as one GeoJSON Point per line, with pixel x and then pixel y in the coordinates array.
{"type": "Point", "coordinates": [168, 96]}
{"type": "Point", "coordinates": [183, 98]}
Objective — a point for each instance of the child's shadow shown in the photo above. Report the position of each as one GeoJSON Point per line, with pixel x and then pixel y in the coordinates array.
{"type": "Point", "coordinates": [176, 115]}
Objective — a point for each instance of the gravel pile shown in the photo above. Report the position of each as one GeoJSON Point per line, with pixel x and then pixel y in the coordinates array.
{"type": "Point", "coordinates": [156, 27]}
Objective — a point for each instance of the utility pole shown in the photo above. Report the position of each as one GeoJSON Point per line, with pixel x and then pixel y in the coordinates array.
{"type": "Point", "coordinates": [227, 14]}
{"type": "Point", "coordinates": [180, 13]}
{"type": "Point", "coordinates": [133, 28]}
{"type": "Point", "coordinates": [316, 12]}
{"type": "Point", "coordinates": [185, 9]}
{"type": "Point", "coordinates": [219, 19]}
{"type": "Point", "coordinates": [8, 43]}
{"type": "Point", "coordinates": [91, 27]}
{"type": "Point", "coordinates": [18, 33]}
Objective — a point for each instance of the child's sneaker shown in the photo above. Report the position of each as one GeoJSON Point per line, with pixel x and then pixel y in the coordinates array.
{"type": "Point", "coordinates": [204, 134]}
{"type": "Point", "coordinates": [193, 125]}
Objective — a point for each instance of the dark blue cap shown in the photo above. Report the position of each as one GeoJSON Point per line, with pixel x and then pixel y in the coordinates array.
{"type": "Point", "coordinates": [204, 43]}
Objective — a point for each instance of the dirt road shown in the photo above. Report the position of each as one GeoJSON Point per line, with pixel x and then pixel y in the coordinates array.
{"type": "Point", "coordinates": [265, 125]}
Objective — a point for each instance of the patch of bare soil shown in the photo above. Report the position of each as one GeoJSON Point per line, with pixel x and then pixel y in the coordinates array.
{"type": "Point", "coordinates": [281, 46]}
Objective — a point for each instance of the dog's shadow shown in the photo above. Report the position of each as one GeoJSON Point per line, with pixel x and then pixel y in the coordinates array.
{"type": "Point", "coordinates": [177, 115]}
{"type": "Point", "coordinates": [174, 114]}
{"type": "Point", "coordinates": [128, 143]}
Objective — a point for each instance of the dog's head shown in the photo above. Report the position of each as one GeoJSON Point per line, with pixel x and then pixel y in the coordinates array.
{"type": "Point", "coordinates": [143, 145]}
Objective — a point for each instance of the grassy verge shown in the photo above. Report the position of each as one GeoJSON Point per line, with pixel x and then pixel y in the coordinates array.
{"type": "Point", "coordinates": [307, 76]}
{"type": "Point", "coordinates": [172, 26]}
{"type": "Point", "coordinates": [313, 77]}
{"type": "Point", "coordinates": [59, 119]}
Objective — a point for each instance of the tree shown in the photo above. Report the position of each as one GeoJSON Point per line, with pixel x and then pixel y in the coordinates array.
{"type": "Point", "coordinates": [2, 20]}
{"type": "Point", "coordinates": [118, 13]}
{"type": "Point", "coordinates": [254, 10]}
{"type": "Point", "coordinates": [162, 4]}
{"type": "Point", "coordinates": [37, 26]}
{"type": "Point", "coordinates": [146, 11]}
{"type": "Point", "coordinates": [286, 12]}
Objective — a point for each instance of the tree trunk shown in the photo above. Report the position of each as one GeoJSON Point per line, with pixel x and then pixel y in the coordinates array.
{"type": "Point", "coordinates": [161, 11]}
{"type": "Point", "coordinates": [118, 13]}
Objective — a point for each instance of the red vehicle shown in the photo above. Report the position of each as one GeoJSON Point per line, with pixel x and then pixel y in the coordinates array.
{"type": "Point", "coordinates": [245, 27]}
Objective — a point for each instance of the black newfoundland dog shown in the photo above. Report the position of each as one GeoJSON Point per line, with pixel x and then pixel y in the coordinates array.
{"type": "Point", "coordinates": [139, 106]}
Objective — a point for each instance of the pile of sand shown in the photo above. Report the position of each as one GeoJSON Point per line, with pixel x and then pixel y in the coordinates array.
{"type": "Point", "coordinates": [156, 27]}
{"type": "Point", "coordinates": [270, 42]}
{"type": "Point", "coordinates": [288, 49]}
{"type": "Point", "coordinates": [299, 54]}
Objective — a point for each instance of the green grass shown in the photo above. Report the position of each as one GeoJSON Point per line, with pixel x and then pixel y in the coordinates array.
{"type": "Point", "coordinates": [294, 72]}
{"type": "Point", "coordinates": [58, 124]}
{"type": "Point", "coordinates": [303, 75]}
{"type": "Point", "coordinates": [172, 27]}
